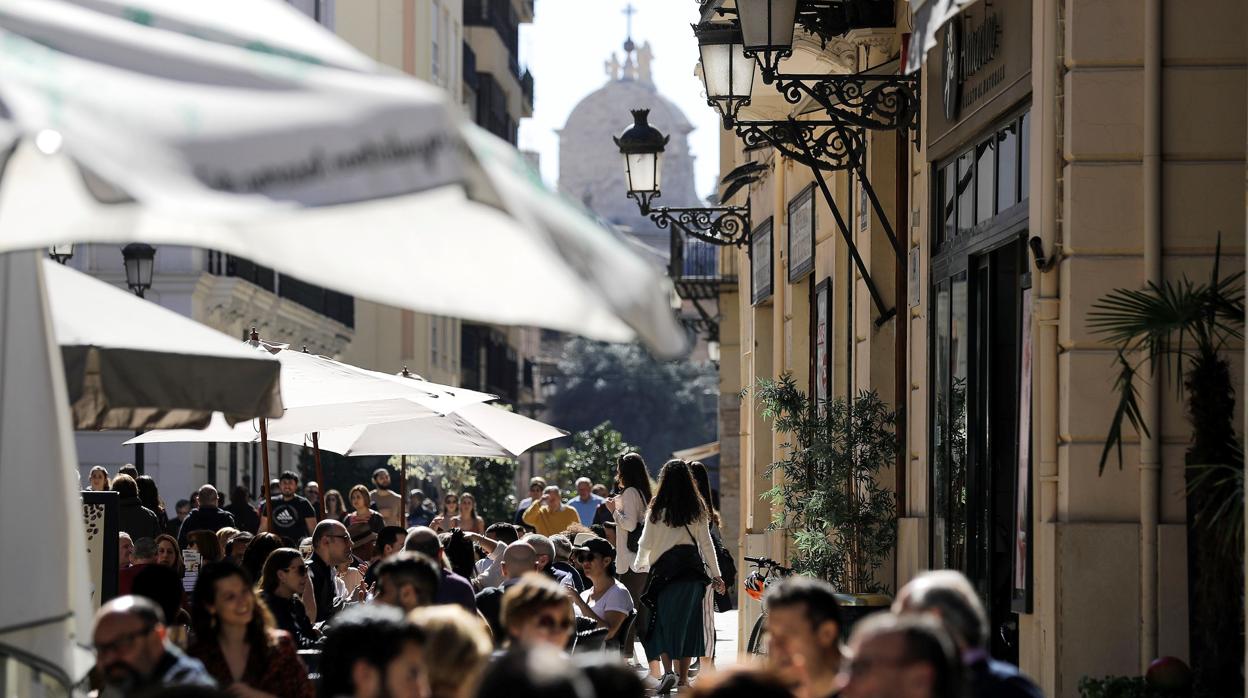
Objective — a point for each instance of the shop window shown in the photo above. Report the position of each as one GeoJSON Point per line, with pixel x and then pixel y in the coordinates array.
{"type": "Point", "coordinates": [985, 179]}
{"type": "Point", "coordinates": [948, 204]}
{"type": "Point", "coordinates": [1007, 166]}
{"type": "Point", "coordinates": [1024, 159]}
{"type": "Point", "coordinates": [966, 193]}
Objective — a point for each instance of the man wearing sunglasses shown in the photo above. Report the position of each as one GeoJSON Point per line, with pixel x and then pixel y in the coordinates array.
{"type": "Point", "coordinates": [132, 654]}
{"type": "Point", "coordinates": [331, 546]}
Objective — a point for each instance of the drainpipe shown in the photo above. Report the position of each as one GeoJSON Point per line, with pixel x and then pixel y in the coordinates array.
{"type": "Point", "coordinates": [1150, 402]}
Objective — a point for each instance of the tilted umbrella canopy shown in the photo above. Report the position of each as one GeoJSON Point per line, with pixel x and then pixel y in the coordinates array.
{"type": "Point", "coordinates": [242, 126]}
{"type": "Point", "coordinates": [132, 364]}
{"type": "Point", "coordinates": [321, 393]}
{"type": "Point", "coordinates": [480, 430]}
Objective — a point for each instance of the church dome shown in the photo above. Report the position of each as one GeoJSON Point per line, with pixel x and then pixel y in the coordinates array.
{"type": "Point", "coordinates": [590, 166]}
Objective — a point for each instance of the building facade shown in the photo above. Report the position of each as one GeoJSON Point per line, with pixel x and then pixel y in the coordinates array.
{"type": "Point", "coordinates": [1063, 149]}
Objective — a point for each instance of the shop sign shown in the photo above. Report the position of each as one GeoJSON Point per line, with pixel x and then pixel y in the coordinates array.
{"type": "Point", "coordinates": [966, 55]}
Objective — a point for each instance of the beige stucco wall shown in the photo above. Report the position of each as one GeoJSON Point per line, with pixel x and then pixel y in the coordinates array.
{"type": "Point", "coordinates": [1088, 121]}
{"type": "Point", "coordinates": [398, 33]}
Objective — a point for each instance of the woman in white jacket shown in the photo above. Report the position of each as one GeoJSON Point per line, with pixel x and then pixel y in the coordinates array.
{"type": "Point", "coordinates": [676, 547]}
{"type": "Point", "coordinates": [628, 508]}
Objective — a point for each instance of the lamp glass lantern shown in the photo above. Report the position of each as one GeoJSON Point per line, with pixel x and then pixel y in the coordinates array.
{"type": "Point", "coordinates": [61, 252]}
{"type": "Point", "coordinates": [642, 146]}
{"type": "Point", "coordinates": [140, 260]}
{"type": "Point", "coordinates": [727, 73]}
{"type": "Point", "coordinates": [767, 31]}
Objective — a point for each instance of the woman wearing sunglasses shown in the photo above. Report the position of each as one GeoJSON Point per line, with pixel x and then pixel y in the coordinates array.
{"type": "Point", "coordinates": [282, 585]}
{"type": "Point", "coordinates": [537, 611]}
{"type": "Point", "coordinates": [608, 603]}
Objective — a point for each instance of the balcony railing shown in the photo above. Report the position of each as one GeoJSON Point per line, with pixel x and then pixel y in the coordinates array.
{"type": "Point", "coordinates": [498, 14]}
{"type": "Point", "coordinates": [700, 270]}
{"type": "Point", "coordinates": [332, 304]}
{"type": "Point", "coordinates": [470, 66]}
{"type": "Point", "coordinates": [526, 88]}
{"type": "Point", "coordinates": [492, 114]}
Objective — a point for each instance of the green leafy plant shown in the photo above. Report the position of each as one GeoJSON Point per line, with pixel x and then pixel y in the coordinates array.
{"type": "Point", "coordinates": [1181, 329]}
{"type": "Point", "coordinates": [1122, 687]}
{"type": "Point", "coordinates": [593, 454]}
{"type": "Point", "coordinates": [490, 480]}
{"type": "Point", "coordinates": [842, 521]}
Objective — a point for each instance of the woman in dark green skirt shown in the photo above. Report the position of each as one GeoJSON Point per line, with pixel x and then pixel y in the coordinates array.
{"type": "Point", "coordinates": [676, 547]}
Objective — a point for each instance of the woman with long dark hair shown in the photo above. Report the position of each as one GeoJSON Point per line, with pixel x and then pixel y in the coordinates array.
{"type": "Point", "coordinates": [283, 583]}
{"type": "Point", "coordinates": [149, 495]}
{"type": "Point", "coordinates": [628, 509]}
{"type": "Point", "coordinates": [261, 546]}
{"type": "Point", "coordinates": [702, 478]}
{"type": "Point", "coordinates": [676, 547]}
{"type": "Point", "coordinates": [236, 639]}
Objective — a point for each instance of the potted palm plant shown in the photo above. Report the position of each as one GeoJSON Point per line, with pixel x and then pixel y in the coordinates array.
{"type": "Point", "coordinates": [1182, 329]}
{"type": "Point", "coordinates": [843, 523]}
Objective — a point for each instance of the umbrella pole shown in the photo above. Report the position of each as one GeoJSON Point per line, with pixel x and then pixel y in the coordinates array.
{"type": "Point", "coordinates": [320, 474]}
{"type": "Point", "coordinates": [402, 492]}
{"type": "Point", "coordinates": [264, 458]}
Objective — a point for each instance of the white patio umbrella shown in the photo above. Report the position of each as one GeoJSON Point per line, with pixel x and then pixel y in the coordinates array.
{"type": "Point", "coordinates": [479, 430]}
{"type": "Point", "coordinates": [132, 364]}
{"type": "Point", "coordinates": [242, 126]}
{"type": "Point", "coordinates": [45, 610]}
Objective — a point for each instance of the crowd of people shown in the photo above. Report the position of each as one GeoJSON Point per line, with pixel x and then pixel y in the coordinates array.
{"type": "Point", "coordinates": [310, 595]}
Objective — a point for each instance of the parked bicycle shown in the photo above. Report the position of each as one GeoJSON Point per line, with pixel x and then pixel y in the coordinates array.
{"type": "Point", "coordinates": [756, 582]}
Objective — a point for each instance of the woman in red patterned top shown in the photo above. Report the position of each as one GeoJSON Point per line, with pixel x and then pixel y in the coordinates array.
{"type": "Point", "coordinates": [236, 640]}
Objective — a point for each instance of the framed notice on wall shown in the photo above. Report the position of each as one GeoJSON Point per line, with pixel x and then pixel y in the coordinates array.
{"type": "Point", "coordinates": [1020, 601]}
{"type": "Point", "coordinates": [762, 263]}
{"type": "Point", "coordinates": [802, 234]}
{"type": "Point", "coordinates": [821, 343]}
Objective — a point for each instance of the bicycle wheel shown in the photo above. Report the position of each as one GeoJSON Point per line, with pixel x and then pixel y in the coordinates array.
{"type": "Point", "coordinates": [758, 637]}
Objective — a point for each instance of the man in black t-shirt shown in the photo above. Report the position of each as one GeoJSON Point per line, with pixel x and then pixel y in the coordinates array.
{"type": "Point", "coordinates": [293, 517]}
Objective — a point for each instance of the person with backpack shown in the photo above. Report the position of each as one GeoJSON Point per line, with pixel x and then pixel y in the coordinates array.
{"type": "Point", "coordinates": [628, 509]}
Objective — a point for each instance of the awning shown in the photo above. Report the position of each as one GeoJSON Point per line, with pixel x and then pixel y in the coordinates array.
{"type": "Point", "coordinates": [927, 17]}
{"type": "Point", "coordinates": [698, 452]}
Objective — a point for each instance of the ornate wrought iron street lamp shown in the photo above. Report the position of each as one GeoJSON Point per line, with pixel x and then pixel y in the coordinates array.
{"type": "Point", "coordinates": [852, 103]}
{"type": "Point", "coordinates": [767, 31]}
{"type": "Point", "coordinates": [62, 252]}
{"type": "Point", "coordinates": [727, 72]}
{"type": "Point", "coordinates": [642, 146]}
{"type": "Point", "coordinates": [139, 258]}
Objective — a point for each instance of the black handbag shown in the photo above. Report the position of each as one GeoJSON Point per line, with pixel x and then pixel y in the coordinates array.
{"type": "Point", "coordinates": [728, 572]}
{"type": "Point", "coordinates": [633, 540]}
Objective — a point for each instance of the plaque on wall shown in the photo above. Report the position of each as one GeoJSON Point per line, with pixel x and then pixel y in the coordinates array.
{"type": "Point", "coordinates": [762, 263]}
{"type": "Point", "coordinates": [821, 340]}
{"type": "Point", "coordinates": [802, 234]}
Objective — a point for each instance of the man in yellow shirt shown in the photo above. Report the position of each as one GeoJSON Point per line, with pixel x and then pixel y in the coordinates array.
{"type": "Point", "coordinates": [549, 515]}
